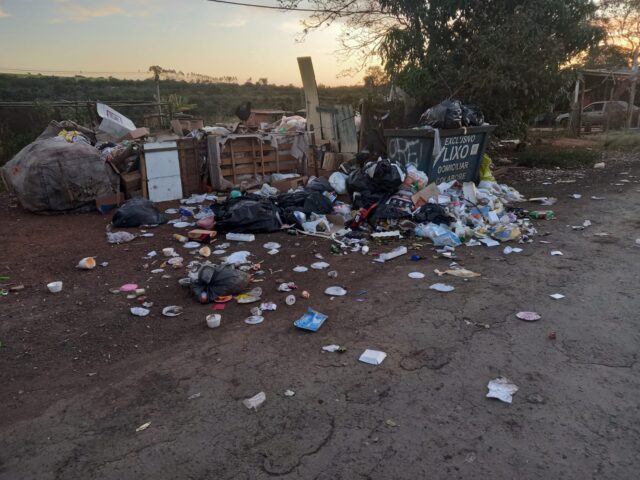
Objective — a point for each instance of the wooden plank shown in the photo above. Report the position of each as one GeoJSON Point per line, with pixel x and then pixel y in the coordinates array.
{"type": "Point", "coordinates": [310, 93]}
{"type": "Point", "coordinates": [346, 129]}
{"type": "Point", "coordinates": [233, 163]}
{"type": "Point", "coordinates": [143, 173]}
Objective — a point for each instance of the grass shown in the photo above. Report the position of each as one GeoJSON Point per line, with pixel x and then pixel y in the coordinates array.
{"type": "Point", "coordinates": [547, 156]}
{"type": "Point", "coordinates": [627, 141]}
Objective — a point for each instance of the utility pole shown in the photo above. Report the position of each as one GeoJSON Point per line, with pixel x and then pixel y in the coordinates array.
{"type": "Point", "coordinates": [632, 92]}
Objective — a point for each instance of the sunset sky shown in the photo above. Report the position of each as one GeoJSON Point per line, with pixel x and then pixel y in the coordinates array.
{"type": "Point", "coordinates": [189, 35]}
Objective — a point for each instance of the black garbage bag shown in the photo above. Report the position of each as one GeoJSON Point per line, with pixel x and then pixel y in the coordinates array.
{"type": "Point", "coordinates": [317, 203]}
{"type": "Point", "coordinates": [247, 215]}
{"type": "Point", "coordinates": [388, 211]}
{"type": "Point", "coordinates": [359, 181]}
{"type": "Point", "coordinates": [294, 199]}
{"type": "Point", "coordinates": [447, 114]}
{"type": "Point", "coordinates": [385, 176]}
{"type": "Point", "coordinates": [367, 198]}
{"type": "Point", "coordinates": [216, 281]}
{"type": "Point", "coordinates": [472, 116]}
{"type": "Point", "coordinates": [432, 213]}
{"type": "Point", "coordinates": [319, 184]}
{"type": "Point", "coordinates": [136, 212]}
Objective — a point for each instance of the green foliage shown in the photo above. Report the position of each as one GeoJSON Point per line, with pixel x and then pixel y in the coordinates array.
{"type": "Point", "coordinates": [607, 56]}
{"type": "Point", "coordinates": [547, 156]}
{"type": "Point", "coordinates": [624, 141]}
{"type": "Point", "coordinates": [505, 55]}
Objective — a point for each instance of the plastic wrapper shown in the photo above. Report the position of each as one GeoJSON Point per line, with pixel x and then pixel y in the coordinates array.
{"type": "Point", "coordinates": [440, 235]}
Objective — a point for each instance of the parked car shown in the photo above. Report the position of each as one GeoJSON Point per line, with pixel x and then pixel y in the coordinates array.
{"type": "Point", "coordinates": [612, 114]}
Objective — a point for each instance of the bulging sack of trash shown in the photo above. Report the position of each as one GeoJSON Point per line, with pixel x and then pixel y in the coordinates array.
{"type": "Point", "coordinates": [319, 184]}
{"type": "Point", "coordinates": [359, 181]}
{"type": "Point", "coordinates": [338, 181]}
{"type": "Point", "coordinates": [136, 212]}
{"type": "Point", "coordinates": [216, 281]}
{"type": "Point", "coordinates": [385, 176]}
{"type": "Point", "coordinates": [447, 114]}
{"type": "Point", "coordinates": [432, 213]}
{"type": "Point", "coordinates": [317, 203]}
{"type": "Point", "coordinates": [248, 214]}
{"type": "Point", "coordinates": [472, 116]}
{"type": "Point", "coordinates": [485, 170]}
{"type": "Point", "coordinates": [440, 235]}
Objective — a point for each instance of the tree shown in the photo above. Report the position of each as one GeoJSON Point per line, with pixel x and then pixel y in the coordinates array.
{"type": "Point", "coordinates": [608, 57]}
{"type": "Point", "coordinates": [505, 55]}
{"type": "Point", "coordinates": [622, 21]}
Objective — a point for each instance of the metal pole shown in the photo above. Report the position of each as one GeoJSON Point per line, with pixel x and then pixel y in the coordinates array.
{"type": "Point", "coordinates": [632, 92]}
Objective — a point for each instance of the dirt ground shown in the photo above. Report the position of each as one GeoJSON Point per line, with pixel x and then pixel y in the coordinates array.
{"type": "Point", "coordinates": [80, 374]}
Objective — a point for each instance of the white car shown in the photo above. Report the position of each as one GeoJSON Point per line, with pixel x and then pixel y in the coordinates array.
{"type": "Point", "coordinates": [610, 113]}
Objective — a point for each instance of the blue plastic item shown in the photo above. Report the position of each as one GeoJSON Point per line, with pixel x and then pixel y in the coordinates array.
{"type": "Point", "coordinates": [311, 320]}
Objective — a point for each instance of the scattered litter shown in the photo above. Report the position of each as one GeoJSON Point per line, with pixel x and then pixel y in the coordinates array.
{"type": "Point", "coordinates": [104, 264]}
{"type": "Point", "coordinates": [597, 198]}
{"type": "Point", "coordinates": [213, 320]}
{"type": "Point", "coordinates": [319, 265]}
{"type": "Point", "coordinates": [272, 246]}
{"type": "Point", "coordinates": [151, 254]}
{"type": "Point", "coordinates": [254, 320]}
{"type": "Point", "coordinates": [175, 261]}
{"type": "Point", "coordinates": [194, 396]}
{"type": "Point", "coordinates": [575, 195]}
{"type": "Point", "coordinates": [556, 253]}
{"type": "Point", "coordinates": [311, 320]}
{"type": "Point", "coordinates": [502, 389]}
{"type": "Point", "coordinates": [168, 252]}
{"type": "Point", "coordinates": [305, 294]}
{"type": "Point", "coordinates": [458, 272]}
{"type": "Point", "coordinates": [396, 252]}
{"type": "Point", "coordinates": [489, 242]}
{"type": "Point", "coordinates": [191, 245]}
{"type": "Point", "coordinates": [139, 311]}
{"type": "Point", "coordinates": [599, 165]}
{"type": "Point", "coordinates": [255, 401]}
{"type": "Point", "coordinates": [238, 258]}
{"type": "Point", "coordinates": [528, 316]}
{"type": "Point", "coordinates": [334, 348]}
{"type": "Point", "coordinates": [120, 237]}
{"type": "Point", "coordinates": [205, 252]}
{"type": "Point", "coordinates": [586, 223]}
{"type": "Point", "coordinates": [241, 237]}
{"type": "Point", "coordinates": [287, 287]}
{"type": "Point", "coordinates": [142, 427]}
{"type": "Point", "coordinates": [509, 250]}
{"type": "Point", "coordinates": [268, 307]}
{"type": "Point", "coordinates": [300, 269]}
{"type": "Point", "coordinates": [416, 275]}
{"type": "Point", "coordinates": [442, 287]}
{"type": "Point", "coordinates": [290, 300]}
{"type": "Point", "coordinates": [87, 263]}
{"type": "Point", "coordinates": [55, 287]}
{"type": "Point", "coordinates": [128, 287]}
{"type": "Point", "coordinates": [289, 393]}
{"type": "Point", "coordinates": [182, 224]}
{"type": "Point", "coordinates": [556, 296]}
{"type": "Point", "coordinates": [332, 274]}
{"type": "Point", "coordinates": [372, 357]}
{"type": "Point", "coordinates": [172, 311]}
{"type": "Point", "coordinates": [335, 291]}
{"type": "Point", "coordinates": [219, 252]}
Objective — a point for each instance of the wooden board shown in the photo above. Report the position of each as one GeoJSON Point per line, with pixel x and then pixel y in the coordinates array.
{"type": "Point", "coordinates": [346, 125]}
{"type": "Point", "coordinates": [310, 93]}
{"type": "Point", "coordinates": [189, 166]}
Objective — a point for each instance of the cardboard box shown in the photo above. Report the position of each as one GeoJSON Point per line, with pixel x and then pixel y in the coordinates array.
{"type": "Point", "coordinates": [423, 196]}
{"type": "Point", "coordinates": [106, 203]}
{"type": "Point", "coordinates": [286, 185]}
{"type": "Point", "coordinates": [131, 182]}
{"type": "Point", "coordinates": [137, 134]}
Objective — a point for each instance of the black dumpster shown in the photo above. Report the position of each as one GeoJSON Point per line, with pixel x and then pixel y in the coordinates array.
{"type": "Point", "coordinates": [459, 158]}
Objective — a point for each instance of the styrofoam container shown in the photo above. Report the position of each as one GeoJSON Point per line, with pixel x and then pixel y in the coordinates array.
{"type": "Point", "coordinates": [372, 357]}
{"type": "Point", "coordinates": [213, 320]}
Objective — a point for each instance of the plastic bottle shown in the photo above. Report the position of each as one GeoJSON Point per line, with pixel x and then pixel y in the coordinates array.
{"type": "Point", "coordinates": [542, 214]}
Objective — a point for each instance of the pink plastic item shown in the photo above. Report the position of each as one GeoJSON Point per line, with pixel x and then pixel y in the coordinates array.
{"type": "Point", "coordinates": [128, 287]}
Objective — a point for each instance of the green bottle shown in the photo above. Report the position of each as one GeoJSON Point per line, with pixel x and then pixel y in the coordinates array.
{"type": "Point", "coordinates": [542, 214]}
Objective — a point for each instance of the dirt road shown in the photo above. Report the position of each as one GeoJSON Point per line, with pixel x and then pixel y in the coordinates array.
{"type": "Point", "coordinates": [79, 374]}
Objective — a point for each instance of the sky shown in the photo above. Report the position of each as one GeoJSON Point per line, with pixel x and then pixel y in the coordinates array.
{"type": "Point", "coordinates": [189, 35]}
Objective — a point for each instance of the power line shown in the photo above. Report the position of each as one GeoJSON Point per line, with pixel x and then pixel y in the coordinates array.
{"type": "Point", "coordinates": [286, 9]}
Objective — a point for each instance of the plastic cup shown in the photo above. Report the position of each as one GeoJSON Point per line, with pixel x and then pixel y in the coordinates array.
{"type": "Point", "coordinates": [168, 252]}
{"type": "Point", "coordinates": [213, 320]}
{"type": "Point", "coordinates": [54, 287]}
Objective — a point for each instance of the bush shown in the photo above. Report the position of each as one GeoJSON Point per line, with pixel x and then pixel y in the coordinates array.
{"type": "Point", "coordinates": [551, 157]}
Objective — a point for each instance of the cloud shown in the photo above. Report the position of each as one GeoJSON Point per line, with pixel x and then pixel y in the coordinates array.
{"type": "Point", "coordinates": [80, 13]}
{"type": "Point", "coordinates": [3, 14]}
{"type": "Point", "coordinates": [235, 22]}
